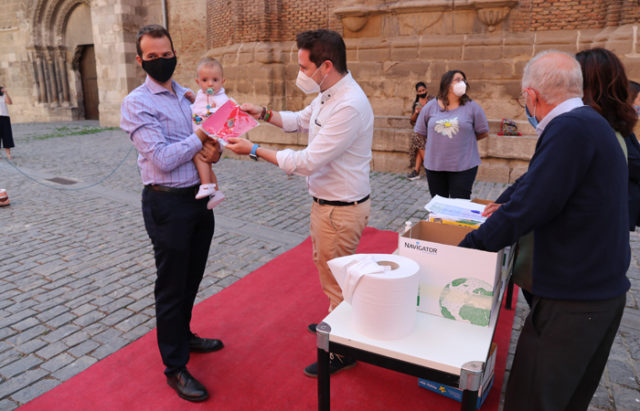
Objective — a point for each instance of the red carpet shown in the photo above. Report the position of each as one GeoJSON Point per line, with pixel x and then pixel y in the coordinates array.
{"type": "Point", "coordinates": [262, 320]}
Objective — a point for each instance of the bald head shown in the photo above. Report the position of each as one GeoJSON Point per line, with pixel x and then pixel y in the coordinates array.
{"type": "Point", "coordinates": [555, 75]}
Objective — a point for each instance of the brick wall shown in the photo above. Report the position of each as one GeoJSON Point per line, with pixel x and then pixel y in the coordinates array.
{"type": "Point", "coordinates": [538, 15]}
{"type": "Point", "coordinates": [244, 21]}
{"type": "Point", "coordinates": [304, 15]}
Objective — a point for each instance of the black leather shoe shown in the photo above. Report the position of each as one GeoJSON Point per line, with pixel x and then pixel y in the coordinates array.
{"type": "Point", "coordinates": [187, 387]}
{"type": "Point", "coordinates": [197, 344]}
{"type": "Point", "coordinates": [312, 328]}
{"type": "Point", "coordinates": [337, 363]}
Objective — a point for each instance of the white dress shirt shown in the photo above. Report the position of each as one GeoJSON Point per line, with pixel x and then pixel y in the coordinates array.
{"type": "Point", "coordinates": [336, 160]}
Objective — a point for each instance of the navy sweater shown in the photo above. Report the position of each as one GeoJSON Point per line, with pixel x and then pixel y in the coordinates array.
{"type": "Point", "coordinates": [574, 198]}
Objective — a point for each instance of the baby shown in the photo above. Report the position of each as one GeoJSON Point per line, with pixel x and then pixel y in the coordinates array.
{"type": "Point", "coordinates": [210, 97]}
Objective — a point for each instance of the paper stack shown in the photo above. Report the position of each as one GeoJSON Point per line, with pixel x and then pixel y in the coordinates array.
{"type": "Point", "coordinates": [455, 211]}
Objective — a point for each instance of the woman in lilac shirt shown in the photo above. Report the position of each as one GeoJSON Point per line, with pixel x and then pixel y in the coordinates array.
{"type": "Point", "coordinates": [452, 124]}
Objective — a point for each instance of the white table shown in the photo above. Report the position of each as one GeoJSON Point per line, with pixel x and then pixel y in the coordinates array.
{"type": "Point", "coordinates": [442, 350]}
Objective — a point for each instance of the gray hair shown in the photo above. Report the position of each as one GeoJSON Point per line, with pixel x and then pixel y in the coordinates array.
{"type": "Point", "coordinates": [554, 74]}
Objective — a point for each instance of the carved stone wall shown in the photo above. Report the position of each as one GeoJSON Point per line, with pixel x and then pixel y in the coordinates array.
{"type": "Point", "coordinates": [40, 67]}
{"type": "Point", "coordinates": [390, 46]}
{"type": "Point", "coordinates": [393, 44]}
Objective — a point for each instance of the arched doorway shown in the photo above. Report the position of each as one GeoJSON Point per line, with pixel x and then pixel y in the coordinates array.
{"type": "Point", "coordinates": [89, 79]}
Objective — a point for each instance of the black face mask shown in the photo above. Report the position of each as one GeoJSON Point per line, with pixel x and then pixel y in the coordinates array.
{"type": "Point", "coordinates": [160, 69]}
{"type": "Point", "coordinates": [422, 95]}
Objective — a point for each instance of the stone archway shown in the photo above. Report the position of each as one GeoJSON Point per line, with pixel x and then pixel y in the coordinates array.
{"type": "Point", "coordinates": [56, 87]}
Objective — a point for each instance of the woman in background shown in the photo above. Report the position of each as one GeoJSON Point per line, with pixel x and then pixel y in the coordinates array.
{"type": "Point", "coordinates": [416, 151]}
{"type": "Point", "coordinates": [6, 136]}
{"type": "Point", "coordinates": [452, 124]}
{"type": "Point", "coordinates": [606, 89]}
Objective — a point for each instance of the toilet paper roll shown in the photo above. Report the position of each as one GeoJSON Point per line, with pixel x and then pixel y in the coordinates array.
{"type": "Point", "coordinates": [382, 290]}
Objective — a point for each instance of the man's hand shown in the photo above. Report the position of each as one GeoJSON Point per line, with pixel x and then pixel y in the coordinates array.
{"type": "Point", "coordinates": [490, 209]}
{"type": "Point", "coordinates": [239, 145]}
{"type": "Point", "coordinates": [252, 109]}
{"type": "Point", "coordinates": [211, 151]}
{"type": "Point", "coordinates": [190, 96]}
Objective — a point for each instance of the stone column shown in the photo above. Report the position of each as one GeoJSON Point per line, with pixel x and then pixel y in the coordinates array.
{"type": "Point", "coordinates": [115, 24]}
{"type": "Point", "coordinates": [61, 60]}
{"type": "Point", "coordinates": [55, 67]}
{"type": "Point", "coordinates": [46, 77]}
{"type": "Point", "coordinates": [52, 78]}
{"type": "Point", "coordinates": [36, 62]}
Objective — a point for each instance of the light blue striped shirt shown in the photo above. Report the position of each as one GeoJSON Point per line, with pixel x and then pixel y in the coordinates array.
{"type": "Point", "coordinates": [159, 125]}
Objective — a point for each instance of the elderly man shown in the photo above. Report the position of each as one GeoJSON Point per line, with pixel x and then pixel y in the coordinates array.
{"type": "Point", "coordinates": [573, 197]}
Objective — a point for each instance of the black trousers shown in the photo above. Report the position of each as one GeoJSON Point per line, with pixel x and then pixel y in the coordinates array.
{"type": "Point", "coordinates": [561, 354]}
{"type": "Point", "coordinates": [451, 184]}
{"type": "Point", "coordinates": [6, 135]}
{"type": "Point", "coordinates": [180, 228]}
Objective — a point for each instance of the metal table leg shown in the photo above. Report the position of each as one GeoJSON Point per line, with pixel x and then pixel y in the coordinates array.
{"type": "Point", "coordinates": [509, 295]}
{"type": "Point", "coordinates": [324, 389]}
{"type": "Point", "coordinates": [470, 380]}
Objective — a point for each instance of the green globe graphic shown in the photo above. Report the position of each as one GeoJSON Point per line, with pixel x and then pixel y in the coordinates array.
{"type": "Point", "coordinates": [467, 299]}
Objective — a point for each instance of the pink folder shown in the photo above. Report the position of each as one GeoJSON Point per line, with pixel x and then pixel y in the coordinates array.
{"type": "Point", "coordinates": [228, 121]}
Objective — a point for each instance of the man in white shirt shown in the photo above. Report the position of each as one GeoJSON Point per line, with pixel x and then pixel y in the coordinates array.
{"type": "Point", "coordinates": [336, 160]}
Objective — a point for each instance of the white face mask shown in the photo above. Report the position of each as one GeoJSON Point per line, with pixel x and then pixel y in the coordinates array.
{"type": "Point", "coordinates": [307, 84]}
{"type": "Point", "coordinates": [460, 88]}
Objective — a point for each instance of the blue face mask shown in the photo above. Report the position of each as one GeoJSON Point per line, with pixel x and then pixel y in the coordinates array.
{"type": "Point", "coordinates": [636, 107]}
{"type": "Point", "coordinates": [532, 119]}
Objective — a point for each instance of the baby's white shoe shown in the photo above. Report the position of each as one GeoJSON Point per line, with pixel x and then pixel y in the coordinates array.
{"type": "Point", "coordinates": [215, 199]}
{"type": "Point", "coordinates": [205, 190]}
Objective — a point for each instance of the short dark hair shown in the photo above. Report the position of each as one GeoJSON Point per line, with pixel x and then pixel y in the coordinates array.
{"type": "Point", "coordinates": [324, 45]}
{"type": "Point", "coordinates": [606, 88]}
{"type": "Point", "coordinates": [154, 30]}
{"type": "Point", "coordinates": [445, 82]}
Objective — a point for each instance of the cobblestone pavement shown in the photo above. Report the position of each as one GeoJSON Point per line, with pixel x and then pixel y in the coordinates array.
{"type": "Point", "coordinates": [77, 271]}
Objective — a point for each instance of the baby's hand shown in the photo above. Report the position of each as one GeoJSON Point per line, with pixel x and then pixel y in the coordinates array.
{"type": "Point", "coordinates": [190, 96]}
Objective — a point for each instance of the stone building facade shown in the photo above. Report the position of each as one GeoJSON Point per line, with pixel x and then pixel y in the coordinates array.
{"type": "Point", "coordinates": [46, 48]}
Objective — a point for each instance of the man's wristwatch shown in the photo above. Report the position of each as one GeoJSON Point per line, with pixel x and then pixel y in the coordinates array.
{"type": "Point", "coordinates": [253, 154]}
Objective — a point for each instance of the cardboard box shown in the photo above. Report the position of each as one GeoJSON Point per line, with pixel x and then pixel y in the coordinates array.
{"type": "Point", "coordinates": [457, 283]}
{"type": "Point", "coordinates": [456, 393]}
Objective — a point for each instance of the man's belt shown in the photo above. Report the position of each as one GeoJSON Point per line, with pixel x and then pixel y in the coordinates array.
{"type": "Point", "coordinates": [173, 190]}
{"type": "Point", "coordinates": [340, 203]}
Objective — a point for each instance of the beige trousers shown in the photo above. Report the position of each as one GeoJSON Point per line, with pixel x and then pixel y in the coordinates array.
{"type": "Point", "coordinates": [335, 232]}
